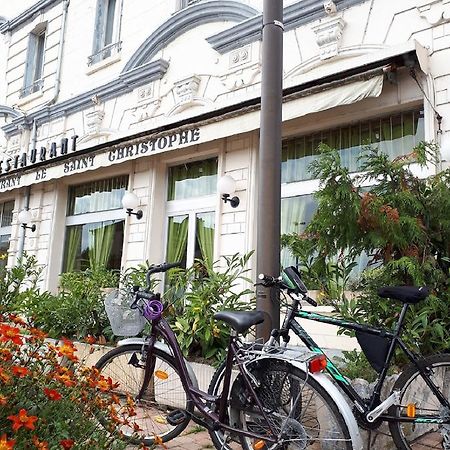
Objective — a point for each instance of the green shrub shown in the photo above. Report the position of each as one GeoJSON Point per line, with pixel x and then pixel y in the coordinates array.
{"type": "Point", "coordinates": [402, 223]}
{"type": "Point", "coordinates": [77, 310]}
{"type": "Point", "coordinates": [196, 294]}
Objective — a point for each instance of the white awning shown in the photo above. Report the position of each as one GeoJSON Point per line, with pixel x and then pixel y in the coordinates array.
{"type": "Point", "coordinates": [345, 94]}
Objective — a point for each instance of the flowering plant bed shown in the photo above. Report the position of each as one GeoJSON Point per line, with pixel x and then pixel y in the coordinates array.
{"type": "Point", "coordinates": [49, 400]}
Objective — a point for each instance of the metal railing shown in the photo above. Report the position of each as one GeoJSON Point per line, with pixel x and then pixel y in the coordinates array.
{"type": "Point", "coordinates": [34, 87]}
{"type": "Point", "coordinates": [105, 52]}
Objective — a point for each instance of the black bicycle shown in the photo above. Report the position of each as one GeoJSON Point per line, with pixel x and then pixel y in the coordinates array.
{"type": "Point", "coordinates": [418, 408]}
{"type": "Point", "coordinates": [261, 400]}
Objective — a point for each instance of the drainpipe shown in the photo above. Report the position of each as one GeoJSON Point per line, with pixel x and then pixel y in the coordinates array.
{"type": "Point", "coordinates": [60, 54]}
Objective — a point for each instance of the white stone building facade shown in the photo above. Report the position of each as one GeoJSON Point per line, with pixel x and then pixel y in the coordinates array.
{"type": "Point", "coordinates": [162, 98]}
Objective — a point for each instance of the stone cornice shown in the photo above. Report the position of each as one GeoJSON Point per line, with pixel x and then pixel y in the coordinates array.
{"type": "Point", "coordinates": [29, 14]}
{"type": "Point", "coordinates": [8, 111]}
{"type": "Point", "coordinates": [295, 15]}
{"type": "Point", "coordinates": [185, 20]}
{"type": "Point", "coordinates": [126, 82]}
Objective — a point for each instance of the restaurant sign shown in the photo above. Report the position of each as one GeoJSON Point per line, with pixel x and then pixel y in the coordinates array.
{"type": "Point", "coordinates": [66, 159]}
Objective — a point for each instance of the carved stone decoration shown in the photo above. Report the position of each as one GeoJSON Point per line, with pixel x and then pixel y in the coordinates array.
{"type": "Point", "coordinates": [186, 90]}
{"type": "Point", "coordinates": [435, 12]}
{"type": "Point", "coordinates": [240, 56]}
{"type": "Point", "coordinates": [328, 36]}
{"type": "Point", "coordinates": [330, 7]}
{"type": "Point", "coordinates": [145, 111]}
{"type": "Point", "coordinates": [145, 92]}
{"type": "Point", "coordinates": [241, 78]}
{"type": "Point", "coordinates": [94, 120]}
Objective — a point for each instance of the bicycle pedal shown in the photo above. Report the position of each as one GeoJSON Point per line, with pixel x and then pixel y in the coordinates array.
{"type": "Point", "coordinates": [177, 416]}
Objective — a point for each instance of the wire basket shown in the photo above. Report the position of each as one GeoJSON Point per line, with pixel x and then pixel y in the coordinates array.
{"type": "Point", "coordinates": [124, 321]}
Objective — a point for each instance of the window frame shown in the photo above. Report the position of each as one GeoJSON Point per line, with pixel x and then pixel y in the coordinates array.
{"type": "Point", "coordinates": [109, 215]}
{"type": "Point", "coordinates": [101, 49]}
{"type": "Point", "coordinates": [190, 207]}
{"type": "Point", "coordinates": [6, 229]}
{"type": "Point", "coordinates": [33, 79]}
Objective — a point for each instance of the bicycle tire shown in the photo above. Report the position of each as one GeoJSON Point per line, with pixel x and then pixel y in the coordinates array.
{"type": "Point", "coordinates": [125, 365]}
{"type": "Point", "coordinates": [315, 421]}
{"type": "Point", "coordinates": [413, 390]}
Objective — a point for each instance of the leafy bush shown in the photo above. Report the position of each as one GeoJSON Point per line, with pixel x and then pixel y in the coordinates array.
{"type": "Point", "coordinates": [402, 223]}
{"type": "Point", "coordinates": [196, 294]}
{"type": "Point", "coordinates": [19, 283]}
{"type": "Point", "coordinates": [46, 404]}
{"type": "Point", "coordinates": [77, 310]}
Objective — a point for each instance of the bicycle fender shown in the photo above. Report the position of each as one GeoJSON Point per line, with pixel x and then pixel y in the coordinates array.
{"type": "Point", "coordinates": [336, 395]}
{"type": "Point", "coordinates": [163, 348]}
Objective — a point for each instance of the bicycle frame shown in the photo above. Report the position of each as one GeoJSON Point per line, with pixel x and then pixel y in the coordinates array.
{"type": "Point", "coordinates": [364, 407]}
{"type": "Point", "coordinates": [160, 327]}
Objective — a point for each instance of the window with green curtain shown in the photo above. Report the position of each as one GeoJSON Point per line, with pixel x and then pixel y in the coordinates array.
{"type": "Point", "coordinates": [177, 239]}
{"type": "Point", "coordinates": [91, 245]}
{"type": "Point", "coordinates": [395, 135]}
{"type": "Point", "coordinates": [101, 195]}
{"type": "Point", "coordinates": [205, 236]}
{"type": "Point", "coordinates": [192, 179]}
{"type": "Point", "coordinates": [90, 242]}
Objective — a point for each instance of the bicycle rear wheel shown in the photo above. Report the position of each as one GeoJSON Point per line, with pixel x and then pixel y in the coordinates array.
{"type": "Point", "coordinates": [165, 393]}
{"type": "Point", "coordinates": [300, 411]}
{"type": "Point", "coordinates": [422, 434]}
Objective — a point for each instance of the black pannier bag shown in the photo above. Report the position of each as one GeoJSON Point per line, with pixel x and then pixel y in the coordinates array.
{"type": "Point", "coordinates": [374, 347]}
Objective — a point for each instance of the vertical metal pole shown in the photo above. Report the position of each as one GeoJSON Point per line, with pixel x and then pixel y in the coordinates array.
{"type": "Point", "coordinates": [269, 167]}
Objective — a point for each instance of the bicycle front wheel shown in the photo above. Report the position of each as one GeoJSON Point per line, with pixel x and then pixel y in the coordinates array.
{"type": "Point", "coordinates": [425, 432]}
{"type": "Point", "coordinates": [125, 366]}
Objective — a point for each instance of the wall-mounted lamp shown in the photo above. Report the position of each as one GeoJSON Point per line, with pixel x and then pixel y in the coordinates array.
{"type": "Point", "coordinates": [226, 186]}
{"type": "Point", "coordinates": [130, 201]}
{"type": "Point", "coordinates": [24, 218]}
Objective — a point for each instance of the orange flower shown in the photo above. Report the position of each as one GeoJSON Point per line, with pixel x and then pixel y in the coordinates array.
{"type": "Point", "coordinates": [3, 400]}
{"type": "Point", "coordinates": [19, 371]}
{"type": "Point", "coordinates": [65, 379]}
{"type": "Point", "coordinates": [5, 444]}
{"type": "Point", "coordinates": [90, 339]}
{"type": "Point", "coordinates": [38, 334]}
{"type": "Point", "coordinates": [22, 420]}
{"type": "Point", "coordinates": [4, 377]}
{"type": "Point", "coordinates": [11, 334]}
{"type": "Point", "coordinates": [16, 319]}
{"type": "Point", "coordinates": [41, 445]}
{"type": "Point", "coordinates": [5, 354]}
{"type": "Point", "coordinates": [66, 444]}
{"type": "Point", "coordinates": [52, 394]}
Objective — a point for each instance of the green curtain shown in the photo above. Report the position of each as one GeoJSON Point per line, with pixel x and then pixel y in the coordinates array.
{"type": "Point", "coordinates": [205, 235]}
{"type": "Point", "coordinates": [177, 238]}
{"type": "Point", "coordinates": [100, 244]}
{"type": "Point", "coordinates": [73, 247]}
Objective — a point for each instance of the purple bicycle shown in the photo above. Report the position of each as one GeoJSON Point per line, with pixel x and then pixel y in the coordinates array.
{"type": "Point", "coordinates": [264, 398]}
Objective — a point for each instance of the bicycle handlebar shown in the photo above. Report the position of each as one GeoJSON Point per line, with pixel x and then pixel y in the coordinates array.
{"type": "Point", "coordinates": [269, 281]}
{"type": "Point", "coordinates": [160, 268]}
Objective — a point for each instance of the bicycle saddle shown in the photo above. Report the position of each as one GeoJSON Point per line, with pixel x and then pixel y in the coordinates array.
{"type": "Point", "coordinates": [405, 294]}
{"type": "Point", "coordinates": [240, 321]}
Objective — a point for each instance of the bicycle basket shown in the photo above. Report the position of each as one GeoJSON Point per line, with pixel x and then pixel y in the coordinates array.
{"type": "Point", "coordinates": [374, 347]}
{"type": "Point", "coordinates": [124, 321]}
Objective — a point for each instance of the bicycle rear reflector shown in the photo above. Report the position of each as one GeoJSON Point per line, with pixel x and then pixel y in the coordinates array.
{"type": "Point", "coordinates": [411, 410]}
{"type": "Point", "coordinates": [317, 363]}
{"type": "Point", "coordinates": [161, 374]}
{"type": "Point", "coordinates": [258, 445]}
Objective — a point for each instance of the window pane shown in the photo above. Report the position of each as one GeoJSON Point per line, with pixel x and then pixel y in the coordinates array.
{"type": "Point", "coordinates": [204, 242]}
{"type": "Point", "coordinates": [395, 135]}
{"type": "Point", "coordinates": [6, 213]}
{"type": "Point", "coordinates": [192, 179]}
{"type": "Point", "coordinates": [177, 238]}
{"type": "Point", "coordinates": [296, 213]}
{"type": "Point", "coordinates": [109, 26]}
{"type": "Point", "coordinates": [98, 196]}
{"type": "Point", "coordinates": [94, 245]}
{"type": "Point", "coordinates": [4, 246]}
